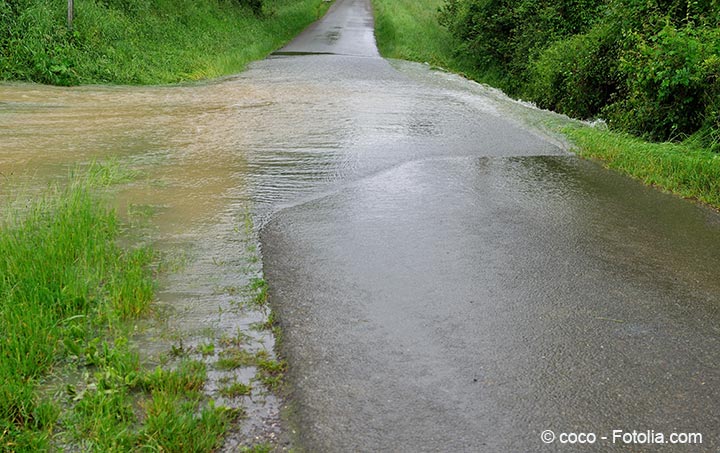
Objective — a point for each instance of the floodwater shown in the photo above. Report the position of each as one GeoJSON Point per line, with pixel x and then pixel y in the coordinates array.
{"type": "Point", "coordinates": [448, 276]}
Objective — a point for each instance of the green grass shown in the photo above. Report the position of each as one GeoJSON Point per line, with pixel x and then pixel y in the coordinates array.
{"type": "Point", "coordinates": [140, 42]}
{"type": "Point", "coordinates": [235, 389]}
{"type": "Point", "coordinates": [257, 289]}
{"type": "Point", "coordinates": [409, 30]}
{"type": "Point", "coordinates": [683, 169]}
{"type": "Point", "coordinates": [62, 279]}
{"type": "Point", "coordinates": [234, 357]}
{"type": "Point", "coordinates": [68, 294]}
{"type": "Point", "coordinates": [269, 371]}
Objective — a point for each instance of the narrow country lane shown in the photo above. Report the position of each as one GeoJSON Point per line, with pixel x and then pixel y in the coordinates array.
{"type": "Point", "coordinates": [447, 276]}
{"type": "Point", "coordinates": [448, 280]}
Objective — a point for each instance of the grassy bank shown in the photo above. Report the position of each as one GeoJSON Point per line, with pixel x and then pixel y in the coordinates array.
{"type": "Point", "coordinates": [140, 42]}
{"type": "Point", "coordinates": [410, 30]}
{"type": "Point", "coordinates": [688, 171]}
{"type": "Point", "coordinates": [67, 294]}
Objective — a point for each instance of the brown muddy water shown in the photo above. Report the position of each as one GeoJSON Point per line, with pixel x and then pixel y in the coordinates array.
{"type": "Point", "coordinates": [185, 149]}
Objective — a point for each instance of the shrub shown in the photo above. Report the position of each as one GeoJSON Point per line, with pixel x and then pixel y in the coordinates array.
{"type": "Point", "coordinates": [578, 75]}
{"type": "Point", "coordinates": [666, 81]}
{"type": "Point", "coordinates": [650, 67]}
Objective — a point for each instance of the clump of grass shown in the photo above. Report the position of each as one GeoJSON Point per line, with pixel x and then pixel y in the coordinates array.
{"type": "Point", "coordinates": [206, 349]}
{"type": "Point", "coordinates": [235, 389]}
{"type": "Point", "coordinates": [233, 358]}
{"type": "Point", "coordinates": [62, 277]}
{"type": "Point", "coordinates": [125, 408]}
{"type": "Point", "coordinates": [269, 371]}
{"type": "Point", "coordinates": [680, 168]}
{"type": "Point", "coordinates": [176, 419]}
{"type": "Point", "coordinates": [239, 339]}
{"type": "Point", "coordinates": [258, 288]}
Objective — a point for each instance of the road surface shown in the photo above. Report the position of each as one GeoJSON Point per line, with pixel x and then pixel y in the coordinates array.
{"type": "Point", "coordinates": [448, 279]}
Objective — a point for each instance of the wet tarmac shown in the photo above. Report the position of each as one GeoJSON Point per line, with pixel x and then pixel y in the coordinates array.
{"type": "Point", "coordinates": [456, 281]}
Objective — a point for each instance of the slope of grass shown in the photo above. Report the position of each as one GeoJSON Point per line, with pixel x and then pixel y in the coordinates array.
{"type": "Point", "coordinates": [679, 168]}
{"type": "Point", "coordinates": [140, 42]}
{"type": "Point", "coordinates": [409, 30]}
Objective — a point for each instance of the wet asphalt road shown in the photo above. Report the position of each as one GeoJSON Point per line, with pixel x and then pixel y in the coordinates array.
{"type": "Point", "coordinates": [449, 280]}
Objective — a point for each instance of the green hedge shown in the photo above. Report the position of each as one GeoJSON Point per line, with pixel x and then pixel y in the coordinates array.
{"type": "Point", "coordinates": [651, 67]}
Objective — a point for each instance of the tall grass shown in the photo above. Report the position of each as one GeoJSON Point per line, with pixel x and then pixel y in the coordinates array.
{"type": "Point", "coordinates": [67, 290]}
{"type": "Point", "coordinates": [409, 30]}
{"type": "Point", "coordinates": [62, 279]}
{"type": "Point", "coordinates": [688, 171]}
{"type": "Point", "coordinates": [141, 42]}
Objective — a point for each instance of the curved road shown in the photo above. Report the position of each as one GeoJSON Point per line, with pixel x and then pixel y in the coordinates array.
{"type": "Point", "coordinates": [449, 280]}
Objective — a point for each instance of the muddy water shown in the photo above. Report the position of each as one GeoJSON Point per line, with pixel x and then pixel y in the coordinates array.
{"type": "Point", "coordinates": [186, 150]}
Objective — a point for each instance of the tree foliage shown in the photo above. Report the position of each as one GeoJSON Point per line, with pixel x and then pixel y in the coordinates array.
{"type": "Point", "coordinates": [650, 67]}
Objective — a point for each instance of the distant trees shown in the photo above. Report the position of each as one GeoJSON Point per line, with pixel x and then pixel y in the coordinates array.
{"type": "Point", "coordinates": [649, 67]}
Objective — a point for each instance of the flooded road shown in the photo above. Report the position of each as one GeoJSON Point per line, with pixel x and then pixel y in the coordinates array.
{"type": "Point", "coordinates": [447, 276]}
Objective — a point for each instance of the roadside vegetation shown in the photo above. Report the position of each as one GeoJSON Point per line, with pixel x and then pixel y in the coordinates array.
{"type": "Point", "coordinates": [650, 70]}
{"type": "Point", "coordinates": [68, 297]}
{"type": "Point", "coordinates": [142, 42]}
{"type": "Point", "coordinates": [689, 171]}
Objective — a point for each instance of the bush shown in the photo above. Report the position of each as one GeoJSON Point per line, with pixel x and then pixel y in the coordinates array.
{"type": "Point", "coordinates": [509, 34]}
{"type": "Point", "coordinates": [650, 67]}
{"type": "Point", "coordinates": [577, 76]}
{"type": "Point", "coordinates": [667, 78]}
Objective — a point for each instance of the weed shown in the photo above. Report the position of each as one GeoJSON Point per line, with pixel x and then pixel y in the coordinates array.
{"type": "Point", "coordinates": [235, 389]}
{"type": "Point", "coordinates": [258, 290]}
{"type": "Point", "coordinates": [233, 358]}
{"type": "Point", "coordinates": [270, 372]}
{"type": "Point", "coordinates": [239, 339]}
{"type": "Point", "coordinates": [206, 349]}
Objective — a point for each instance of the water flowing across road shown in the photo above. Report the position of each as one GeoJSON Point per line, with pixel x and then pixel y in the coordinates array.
{"type": "Point", "coordinates": [448, 277]}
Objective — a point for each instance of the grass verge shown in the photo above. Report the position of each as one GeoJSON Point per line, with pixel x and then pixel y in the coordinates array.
{"type": "Point", "coordinates": [67, 294]}
{"type": "Point", "coordinates": [409, 30]}
{"type": "Point", "coordinates": [140, 42]}
{"type": "Point", "coordinates": [685, 170]}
